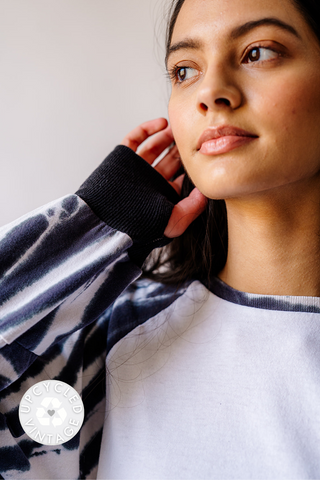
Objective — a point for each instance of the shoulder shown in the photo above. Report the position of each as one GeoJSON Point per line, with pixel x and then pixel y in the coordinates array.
{"type": "Point", "coordinates": [141, 301]}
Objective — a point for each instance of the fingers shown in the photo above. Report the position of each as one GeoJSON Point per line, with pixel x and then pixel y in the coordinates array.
{"type": "Point", "coordinates": [177, 184]}
{"type": "Point", "coordinates": [139, 134]}
{"type": "Point", "coordinates": [150, 151]}
{"type": "Point", "coordinates": [185, 212]}
{"type": "Point", "coordinates": [170, 164]}
{"type": "Point", "coordinates": [156, 145]}
{"type": "Point", "coordinates": [187, 209]}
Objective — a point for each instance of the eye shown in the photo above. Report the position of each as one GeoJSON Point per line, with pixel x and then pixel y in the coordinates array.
{"type": "Point", "coordinates": [181, 74]}
{"type": "Point", "coordinates": [260, 54]}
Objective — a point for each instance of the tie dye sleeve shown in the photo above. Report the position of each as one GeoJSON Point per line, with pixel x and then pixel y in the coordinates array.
{"type": "Point", "coordinates": [65, 263]}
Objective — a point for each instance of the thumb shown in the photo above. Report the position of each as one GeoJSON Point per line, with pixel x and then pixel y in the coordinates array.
{"type": "Point", "coordinates": [183, 214]}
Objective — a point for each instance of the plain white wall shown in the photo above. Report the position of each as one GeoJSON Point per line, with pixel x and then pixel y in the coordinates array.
{"type": "Point", "coordinates": [75, 77]}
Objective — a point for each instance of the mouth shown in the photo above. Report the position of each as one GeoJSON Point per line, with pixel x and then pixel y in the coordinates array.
{"type": "Point", "coordinates": [222, 139]}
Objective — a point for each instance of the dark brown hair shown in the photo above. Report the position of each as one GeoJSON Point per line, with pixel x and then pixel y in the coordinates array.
{"type": "Point", "coordinates": [201, 251]}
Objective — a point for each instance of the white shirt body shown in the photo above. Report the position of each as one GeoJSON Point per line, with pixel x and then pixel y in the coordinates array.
{"type": "Point", "coordinates": [212, 389]}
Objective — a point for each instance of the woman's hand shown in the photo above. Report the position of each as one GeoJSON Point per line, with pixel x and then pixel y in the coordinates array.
{"type": "Point", "coordinates": [189, 208]}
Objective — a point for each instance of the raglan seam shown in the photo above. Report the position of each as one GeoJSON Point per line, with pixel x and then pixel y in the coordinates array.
{"type": "Point", "coordinates": [150, 319]}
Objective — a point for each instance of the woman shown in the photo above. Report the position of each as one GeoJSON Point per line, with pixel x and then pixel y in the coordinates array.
{"type": "Point", "coordinates": [213, 372]}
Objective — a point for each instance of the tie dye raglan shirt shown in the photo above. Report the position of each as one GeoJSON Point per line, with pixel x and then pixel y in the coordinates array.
{"type": "Point", "coordinates": [62, 267]}
{"type": "Point", "coordinates": [201, 381]}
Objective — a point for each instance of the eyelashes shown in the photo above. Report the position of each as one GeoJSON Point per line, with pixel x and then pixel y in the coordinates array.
{"type": "Point", "coordinates": [256, 54]}
{"type": "Point", "coordinates": [179, 74]}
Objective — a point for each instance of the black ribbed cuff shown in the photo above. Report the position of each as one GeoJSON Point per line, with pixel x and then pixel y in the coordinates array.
{"type": "Point", "coordinates": [131, 196]}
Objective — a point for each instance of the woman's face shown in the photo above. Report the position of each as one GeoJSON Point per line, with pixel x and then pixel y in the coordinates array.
{"type": "Point", "coordinates": [252, 65]}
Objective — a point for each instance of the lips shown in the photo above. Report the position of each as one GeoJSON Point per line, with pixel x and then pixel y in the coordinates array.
{"type": "Point", "coordinates": [221, 139]}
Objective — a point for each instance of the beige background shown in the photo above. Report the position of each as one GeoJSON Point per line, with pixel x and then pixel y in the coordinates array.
{"type": "Point", "coordinates": [75, 76]}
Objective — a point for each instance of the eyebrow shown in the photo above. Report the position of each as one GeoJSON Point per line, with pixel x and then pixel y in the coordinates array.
{"type": "Point", "coordinates": [247, 27]}
{"type": "Point", "coordinates": [190, 44]}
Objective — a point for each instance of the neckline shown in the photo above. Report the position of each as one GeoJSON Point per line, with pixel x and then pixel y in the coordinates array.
{"type": "Point", "coordinates": [267, 302]}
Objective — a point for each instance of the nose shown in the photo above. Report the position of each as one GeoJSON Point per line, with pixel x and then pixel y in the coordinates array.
{"type": "Point", "coordinates": [218, 90]}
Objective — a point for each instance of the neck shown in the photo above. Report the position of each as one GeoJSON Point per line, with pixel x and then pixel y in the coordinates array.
{"type": "Point", "coordinates": [274, 242]}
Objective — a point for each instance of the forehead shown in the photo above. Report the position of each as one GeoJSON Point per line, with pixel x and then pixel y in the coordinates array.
{"type": "Point", "coordinates": [219, 17]}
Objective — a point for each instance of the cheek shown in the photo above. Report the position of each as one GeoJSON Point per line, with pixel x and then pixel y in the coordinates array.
{"type": "Point", "coordinates": [182, 118]}
{"type": "Point", "coordinates": [287, 115]}
{"type": "Point", "coordinates": [290, 107]}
